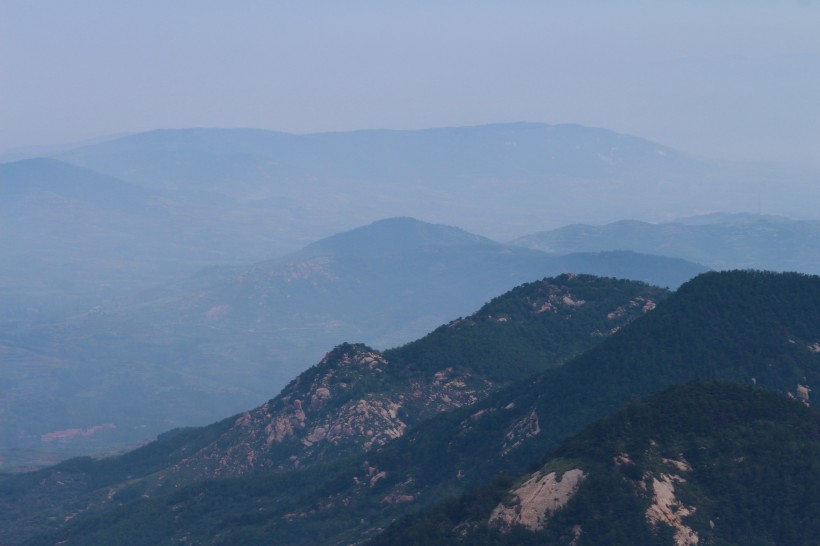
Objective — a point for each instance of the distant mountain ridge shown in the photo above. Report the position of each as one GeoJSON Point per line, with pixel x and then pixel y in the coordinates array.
{"type": "Point", "coordinates": [554, 174]}
{"type": "Point", "coordinates": [378, 153]}
{"type": "Point", "coordinates": [19, 179]}
{"type": "Point", "coordinates": [73, 238]}
{"type": "Point", "coordinates": [717, 241]}
{"type": "Point", "coordinates": [234, 196]}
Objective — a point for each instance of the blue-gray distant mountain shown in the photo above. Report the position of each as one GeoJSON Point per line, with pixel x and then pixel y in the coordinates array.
{"type": "Point", "coordinates": [500, 180]}
{"type": "Point", "coordinates": [173, 201]}
{"type": "Point", "coordinates": [72, 238]}
{"type": "Point", "coordinates": [227, 338]}
{"type": "Point", "coordinates": [721, 241]}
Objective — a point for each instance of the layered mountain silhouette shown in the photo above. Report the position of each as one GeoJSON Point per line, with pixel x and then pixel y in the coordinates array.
{"type": "Point", "coordinates": [551, 175]}
{"type": "Point", "coordinates": [225, 339]}
{"type": "Point", "coordinates": [720, 241]}
{"type": "Point", "coordinates": [128, 307]}
{"type": "Point", "coordinates": [166, 203]}
{"type": "Point", "coordinates": [746, 327]}
{"type": "Point", "coordinates": [73, 238]}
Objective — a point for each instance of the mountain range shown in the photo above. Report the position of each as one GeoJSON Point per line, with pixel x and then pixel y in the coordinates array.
{"type": "Point", "coordinates": [719, 241]}
{"type": "Point", "coordinates": [551, 174]}
{"type": "Point", "coordinates": [73, 238]}
{"type": "Point", "coordinates": [155, 281]}
{"type": "Point", "coordinates": [343, 487]}
{"type": "Point", "coordinates": [112, 218]}
{"type": "Point", "coordinates": [224, 339]}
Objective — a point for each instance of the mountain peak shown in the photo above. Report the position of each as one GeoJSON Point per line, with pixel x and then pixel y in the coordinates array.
{"type": "Point", "coordinates": [399, 234]}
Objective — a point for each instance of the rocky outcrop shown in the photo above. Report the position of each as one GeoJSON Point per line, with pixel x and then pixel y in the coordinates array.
{"type": "Point", "coordinates": [667, 509]}
{"type": "Point", "coordinates": [535, 500]}
{"type": "Point", "coordinates": [644, 304]}
{"type": "Point", "coordinates": [348, 402]}
{"type": "Point", "coordinates": [527, 427]}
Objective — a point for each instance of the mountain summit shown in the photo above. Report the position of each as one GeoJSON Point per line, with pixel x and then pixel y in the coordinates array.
{"type": "Point", "coordinates": [394, 235]}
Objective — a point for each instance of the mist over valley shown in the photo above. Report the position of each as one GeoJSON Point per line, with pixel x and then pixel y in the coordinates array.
{"type": "Point", "coordinates": [356, 273]}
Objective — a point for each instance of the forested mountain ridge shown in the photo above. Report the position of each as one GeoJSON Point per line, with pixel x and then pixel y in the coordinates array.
{"type": "Point", "coordinates": [707, 463]}
{"type": "Point", "coordinates": [742, 326]}
{"type": "Point", "coordinates": [745, 326]}
{"type": "Point", "coordinates": [357, 399]}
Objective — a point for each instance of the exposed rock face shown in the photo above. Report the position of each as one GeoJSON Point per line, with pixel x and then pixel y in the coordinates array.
{"type": "Point", "coordinates": [348, 401]}
{"type": "Point", "coordinates": [666, 508]}
{"type": "Point", "coordinates": [520, 431]}
{"type": "Point", "coordinates": [555, 297]}
{"type": "Point", "coordinates": [644, 304]}
{"type": "Point", "coordinates": [536, 499]}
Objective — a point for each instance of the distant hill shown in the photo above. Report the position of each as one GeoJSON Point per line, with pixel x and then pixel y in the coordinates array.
{"type": "Point", "coordinates": [717, 241]}
{"type": "Point", "coordinates": [522, 177]}
{"type": "Point", "coordinates": [167, 203]}
{"type": "Point", "coordinates": [705, 463]}
{"type": "Point", "coordinates": [52, 214]}
{"type": "Point", "coordinates": [228, 338]}
{"type": "Point", "coordinates": [72, 238]}
{"type": "Point", "coordinates": [210, 159]}
{"type": "Point", "coordinates": [746, 327]}
{"type": "Point", "coordinates": [235, 196]}
{"type": "Point", "coordinates": [21, 179]}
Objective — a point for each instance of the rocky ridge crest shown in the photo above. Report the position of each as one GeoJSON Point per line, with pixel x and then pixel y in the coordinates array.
{"type": "Point", "coordinates": [348, 402]}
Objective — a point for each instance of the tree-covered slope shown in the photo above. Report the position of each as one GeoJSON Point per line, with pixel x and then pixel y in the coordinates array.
{"type": "Point", "coordinates": [742, 326]}
{"type": "Point", "coordinates": [357, 399]}
{"type": "Point", "coordinates": [706, 463]}
{"type": "Point", "coordinates": [540, 322]}
{"type": "Point", "coordinates": [738, 325]}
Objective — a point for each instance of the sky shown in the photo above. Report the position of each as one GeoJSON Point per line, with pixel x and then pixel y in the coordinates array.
{"type": "Point", "coordinates": [728, 79]}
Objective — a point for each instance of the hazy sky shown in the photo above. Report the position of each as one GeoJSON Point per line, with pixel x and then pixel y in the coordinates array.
{"type": "Point", "coordinates": [735, 79]}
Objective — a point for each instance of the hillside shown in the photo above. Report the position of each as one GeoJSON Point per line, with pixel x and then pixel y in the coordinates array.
{"type": "Point", "coordinates": [719, 241]}
{"type": "Point", "coordinates": [357, 399]}
{"type": "Point", "coordinates": [226, 339]}
{"type": "Point", "coordinates": [747, 327]}
{"type": "Point", "coordinates": [705, 463]}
